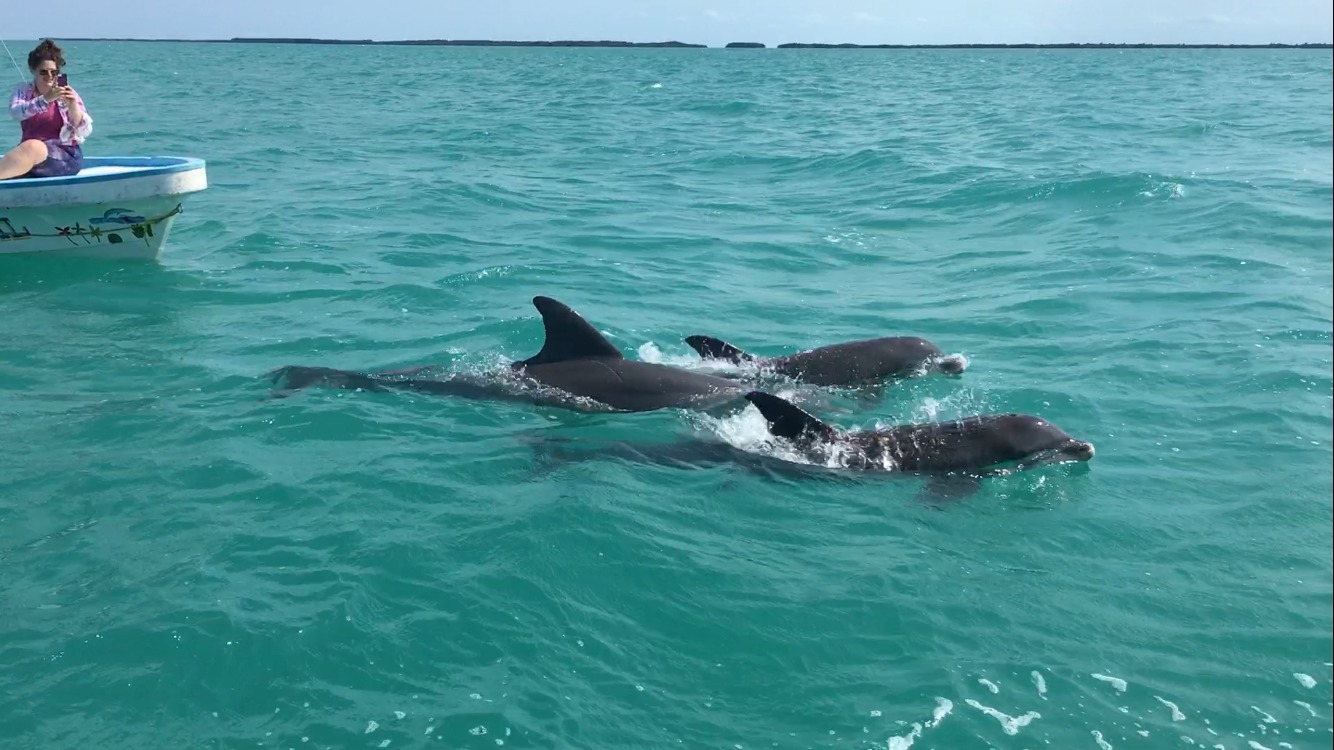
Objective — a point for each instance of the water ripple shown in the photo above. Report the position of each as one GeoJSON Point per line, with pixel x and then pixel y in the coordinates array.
{"type": "Point", "coordinates": [1136, 245]}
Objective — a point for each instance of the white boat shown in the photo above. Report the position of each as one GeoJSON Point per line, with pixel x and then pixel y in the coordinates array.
{"type": "Point", "coordinates": [115, 207]}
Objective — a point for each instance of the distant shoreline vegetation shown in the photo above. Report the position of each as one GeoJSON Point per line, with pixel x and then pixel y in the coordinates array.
{"type": "Point", "coordinates": [685, 45]}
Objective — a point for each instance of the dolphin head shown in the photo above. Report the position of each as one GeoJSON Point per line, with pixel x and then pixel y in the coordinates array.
{"type": "Point", "coordinates": [1035, 441]}
{"type": "Point", "coordinates": [951, 364]}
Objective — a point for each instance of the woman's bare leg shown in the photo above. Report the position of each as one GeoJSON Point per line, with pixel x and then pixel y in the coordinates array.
{"type": "Point", "coordinates": [22, 158]}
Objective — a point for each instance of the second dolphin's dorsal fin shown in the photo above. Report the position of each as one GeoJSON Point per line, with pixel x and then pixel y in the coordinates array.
{"type": "Point", "coordinates": [712, 348]}
{"type": "Point", "coordinates": [568, 336]}
{"type": "Point", "coordinates": [786, 420]}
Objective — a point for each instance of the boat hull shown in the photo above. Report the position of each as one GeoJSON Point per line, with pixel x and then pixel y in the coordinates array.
{"type": "Point", "coordinates": [117, 207]}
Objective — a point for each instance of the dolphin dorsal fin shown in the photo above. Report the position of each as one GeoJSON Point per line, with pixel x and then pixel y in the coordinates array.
{"type": "Point", "coordinates": [786, 420]}
{"type": "Point", "coordinates": [568, 336]}
{"type": "Point", "coordinates": [712, 348]}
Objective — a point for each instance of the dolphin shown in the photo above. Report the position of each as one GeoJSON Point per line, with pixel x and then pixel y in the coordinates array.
{"type": "Point", "coordinates": [489, 386]}
{"type": "Point", "coordinates": [953, 455]}
{"type": "Point", "coordinates": [691, 453]}
{"type": "Point", "coordinates": [577, 368]}
{"type": "Point", "coordinates": [851, 363]}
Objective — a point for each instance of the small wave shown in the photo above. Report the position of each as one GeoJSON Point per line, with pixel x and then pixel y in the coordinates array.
{"type": "Point", "coordinates": [1040, 683]}
{"type": "Point", "coordinates": [1086, 190]}
{"type": "Point", "coordinates": [1116, 682]}
{"type": "Point", "coordinates": [1176, 712]}
{"type": "Point", "coordinates": [1009, 724]}
{"type": "Point", "coordinates": [943, 708]}
{"type": "Point", "coordinates": [725, 109]}
{"type": "Point", "coordinates": [1164, 190]}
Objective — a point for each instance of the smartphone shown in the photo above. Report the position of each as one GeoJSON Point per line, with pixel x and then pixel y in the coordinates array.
{"type": "Point", "coordinates": [62, 80]}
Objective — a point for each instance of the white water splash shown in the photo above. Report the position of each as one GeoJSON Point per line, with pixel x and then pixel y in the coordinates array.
{"type": "Point", "coordinates": [1306, 680]}
{"type": "Point", "coordinates": [371, 726]}
{"type": "Point", "coordinates": [1041, 683]}
{"type": "Point", "coordinates": [1102, 744]}
{"type": "Point", "coordinates": [959, 403]}
{"type": "Point", "coordinates": [989, 685]}
{"type": "Point", "coordinates": [1306, 706]}
{"type": "Point", "coordinates": [1176, 712]}
{"type": "Point", "coordinates": [650, 352]}
{"type": "Point", "coordinates": [906, 741]}
{"type": "Point", "coordinates": [747, 430]}
{"type": "Point", "coordinates": [1115, 682]}
{"type": "Point", "coordinates": [1171, 190]}
{"type": "Point", "coordinates": [943, 708]}
{"type": "Point", "coordinates": [929, 410]}
{"type": "Point", "coordinates": [961, 358]}
{"type": "Point", "coordinates": [1009, 724]}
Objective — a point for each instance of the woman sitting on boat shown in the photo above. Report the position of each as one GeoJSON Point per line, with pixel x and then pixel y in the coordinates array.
{"type": "Point", "coordinates": [54, 121]}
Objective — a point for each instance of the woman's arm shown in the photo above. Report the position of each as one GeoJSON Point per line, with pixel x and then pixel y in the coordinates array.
{"type": "Point", "coordinates": [78, 123]}
{"type": "Point", "coordinates": [26, 102]}
{"type": "Point", "coordinates": [73, 107]}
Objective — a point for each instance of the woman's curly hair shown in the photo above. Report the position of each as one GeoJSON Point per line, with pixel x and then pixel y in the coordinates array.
{"type": "Point", "coordinates": [47, 50]}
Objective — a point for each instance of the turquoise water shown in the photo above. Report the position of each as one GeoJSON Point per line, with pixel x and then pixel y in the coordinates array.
{"type": "Point", "coordinates": [1136, 245]}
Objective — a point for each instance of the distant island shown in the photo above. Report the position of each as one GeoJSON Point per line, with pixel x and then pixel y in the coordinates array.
{"type": "Point", "coordinates": [1059, 45]}
{"type": "Point", "coordinates": [407, 42]}
{"type": "Point", "coordinates": [685, 45]}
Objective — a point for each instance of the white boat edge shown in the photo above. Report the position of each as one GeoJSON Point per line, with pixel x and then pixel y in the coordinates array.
{"type": "Point", "coordinates": [120, 207]}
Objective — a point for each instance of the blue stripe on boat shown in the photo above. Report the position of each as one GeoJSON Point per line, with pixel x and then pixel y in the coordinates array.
{"type": "Point", "coordinates": [142, 165]}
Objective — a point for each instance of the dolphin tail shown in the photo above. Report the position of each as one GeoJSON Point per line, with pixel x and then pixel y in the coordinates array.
{"type": "Point", "coordinates": [786, 420]}
{"type": "Point", "coordinates": [299, 377]}
{"type": "Point", "coordinates": [711, 348]}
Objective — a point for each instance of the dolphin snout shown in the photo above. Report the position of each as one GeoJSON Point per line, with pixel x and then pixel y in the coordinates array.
{"type": "Point", "coordinates": [953, 364]}
{"type": "Point", "coordinates": [1079, 449]}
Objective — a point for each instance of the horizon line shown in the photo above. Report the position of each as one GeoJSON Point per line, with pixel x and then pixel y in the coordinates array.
{"type": "Point", "coordinates": [729, 45]}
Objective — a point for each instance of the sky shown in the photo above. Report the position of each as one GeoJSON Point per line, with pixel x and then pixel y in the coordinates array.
{"type": "Point", "coordinates": [711, 22]}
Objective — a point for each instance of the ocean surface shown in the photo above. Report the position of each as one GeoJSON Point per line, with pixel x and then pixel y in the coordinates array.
{"type": "Point", "coordinates": [1135, 245]}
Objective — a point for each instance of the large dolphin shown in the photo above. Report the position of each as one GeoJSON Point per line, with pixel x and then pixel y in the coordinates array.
{"type": "Point", "coordinates": [577, 368]}
{"type": "Point", "coordinates": [955, 455]}
{"type": "Point", "coordinates": [868, 361]}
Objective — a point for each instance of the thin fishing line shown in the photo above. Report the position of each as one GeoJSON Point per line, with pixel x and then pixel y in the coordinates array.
{"type": "Point", "coordinates": [11, 58]}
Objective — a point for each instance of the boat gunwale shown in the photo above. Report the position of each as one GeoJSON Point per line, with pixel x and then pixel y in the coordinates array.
{"type": "Point", "coordinates": [141, 166]}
